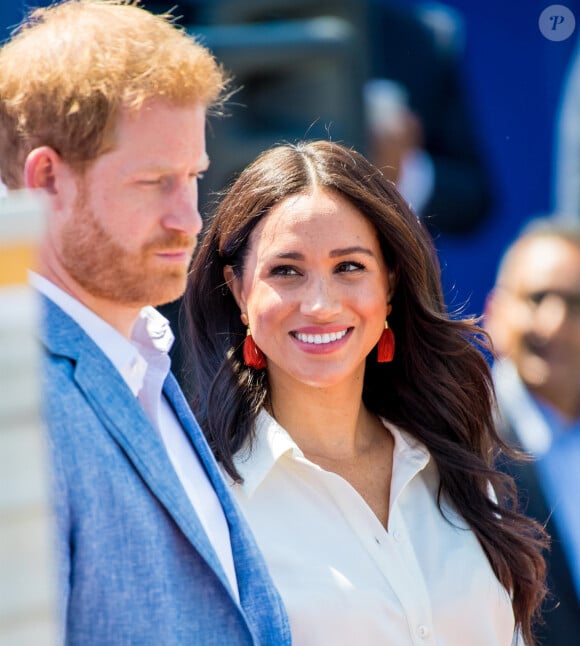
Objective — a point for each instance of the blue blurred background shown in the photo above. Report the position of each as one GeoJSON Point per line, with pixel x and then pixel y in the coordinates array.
{"type": "Point", "coordinates": [512, 77]}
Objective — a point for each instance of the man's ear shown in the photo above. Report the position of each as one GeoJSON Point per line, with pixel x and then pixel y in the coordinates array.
{"type": "Point", "coordinates": [491, 307]}
{"type": "Point", "coordinates": [40, 168]}
{"type": "Point", "coordinates": [235, 286]}
{"type": "Point", "coordinates": [493, 320]}
{"type": "Point", "coordinates": [45, 170]}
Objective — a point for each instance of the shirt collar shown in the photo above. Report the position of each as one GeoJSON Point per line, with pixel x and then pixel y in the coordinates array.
{"type": "Point", "coordinates": [151, 335]}
{"type": "Point", "coordinates": [151, 341]}
{"type": "Point", "coordinates": [257, 458]}
{"type": "Point", "coordinates": [271, 443]}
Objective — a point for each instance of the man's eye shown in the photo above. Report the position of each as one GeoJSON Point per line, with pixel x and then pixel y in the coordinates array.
{"type": "Point", "coordinates": [536, 297]}
{"type": "Point", "coordinates": [571, 300]}
{"type": "Point", "coordinates": [154, 181]}
{"type": "Point", "coordinates": [165, 182]}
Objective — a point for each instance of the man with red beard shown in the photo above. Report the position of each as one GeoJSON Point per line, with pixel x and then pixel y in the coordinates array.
{"type": "Point", "coordinates": [102, 112]}
{"type": "Point", "coordinates": [533, 317]}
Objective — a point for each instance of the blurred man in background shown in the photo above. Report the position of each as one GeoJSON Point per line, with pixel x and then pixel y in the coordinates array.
{"type": "Point", "coordinates": [533, 317]}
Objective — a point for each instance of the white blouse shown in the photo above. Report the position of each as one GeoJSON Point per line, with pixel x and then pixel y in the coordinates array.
{"type": "Point", "coordinates": [346, 580]}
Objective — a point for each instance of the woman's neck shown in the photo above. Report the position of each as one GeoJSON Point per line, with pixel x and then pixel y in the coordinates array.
{"type": "Point", "coordinates": [328, 423]}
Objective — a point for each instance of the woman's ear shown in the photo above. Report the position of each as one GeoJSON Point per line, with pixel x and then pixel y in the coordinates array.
{"type": "Point", "coordinates": [234, 284]}
{"type": "Point", "coordinates": [392, 279]}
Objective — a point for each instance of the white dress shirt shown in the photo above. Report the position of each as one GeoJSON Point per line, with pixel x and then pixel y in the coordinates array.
{"type": "Point", "coordinates": [144, 364]}
{"type": "Point", "coordinates": [345, 579]}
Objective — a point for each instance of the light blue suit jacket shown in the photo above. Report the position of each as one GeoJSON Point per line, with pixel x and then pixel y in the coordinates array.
{"type": "Point", "coordinates": [135, 565]}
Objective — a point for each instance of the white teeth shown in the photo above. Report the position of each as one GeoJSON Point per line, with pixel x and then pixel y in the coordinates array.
{"type": "Point", "coordinates": [318, 339]}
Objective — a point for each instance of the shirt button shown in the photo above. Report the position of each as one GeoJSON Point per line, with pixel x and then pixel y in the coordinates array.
{"type": "Point", "coordinates": [423, 631]}
{"type": "Point", "coordinates": [398, 536]}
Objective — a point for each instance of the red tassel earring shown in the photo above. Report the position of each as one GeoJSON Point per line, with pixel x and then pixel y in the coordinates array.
{"type": "Point", "coordinates": [386, 349]}
{"type": "Point", "coordinates": [253, 356]}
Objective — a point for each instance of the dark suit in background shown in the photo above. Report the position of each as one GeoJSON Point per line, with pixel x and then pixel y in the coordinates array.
{"type": "Point", "coordinates": [426, 62]}
{"type": "Point", "coordinates": [562, 608]}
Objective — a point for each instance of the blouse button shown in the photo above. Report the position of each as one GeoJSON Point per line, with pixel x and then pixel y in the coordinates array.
{"type": "Point", "coordinates": [423, 631]}
{"type": "Point", "coordinates": [398, 536]}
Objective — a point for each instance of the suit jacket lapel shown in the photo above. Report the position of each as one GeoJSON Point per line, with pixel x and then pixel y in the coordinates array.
{"type": "Point", "coordinates": [250, 570]}
{"type": "Point", "coordinates": [124, 418]}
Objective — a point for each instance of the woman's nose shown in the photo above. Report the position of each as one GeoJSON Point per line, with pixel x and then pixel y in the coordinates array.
{"type": "Point", "coordinates": [320, 298]}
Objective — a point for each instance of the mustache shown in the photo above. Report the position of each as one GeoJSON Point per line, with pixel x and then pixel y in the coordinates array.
{"type": "Point", "coordinates": [172, 241]}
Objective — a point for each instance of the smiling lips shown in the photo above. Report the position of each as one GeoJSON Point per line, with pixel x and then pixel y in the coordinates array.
{"type": "Point", "coordinates": [320, 339]}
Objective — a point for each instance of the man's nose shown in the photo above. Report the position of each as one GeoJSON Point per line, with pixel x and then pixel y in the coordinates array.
{"type": "Point", "coordinates": [183, 214]}
{"type": "Point", "coordinates": [551, 314]}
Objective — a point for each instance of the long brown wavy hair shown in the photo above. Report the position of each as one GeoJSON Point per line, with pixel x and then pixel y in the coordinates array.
{"type": "Point", "coordinates": [438, 388]}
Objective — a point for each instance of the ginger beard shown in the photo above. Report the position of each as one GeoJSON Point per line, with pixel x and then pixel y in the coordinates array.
{"type": "Point", "coordinates": [107, 270]}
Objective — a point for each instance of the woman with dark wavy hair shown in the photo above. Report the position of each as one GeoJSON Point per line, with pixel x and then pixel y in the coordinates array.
{"type": "Point", "coordinates": [352, 414]}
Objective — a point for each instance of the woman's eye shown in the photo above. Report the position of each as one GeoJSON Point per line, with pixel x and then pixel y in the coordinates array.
{"type": "Point", "coordinates": [350, 266]}
{"type": "Point", "coordinates": [284, 270]}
